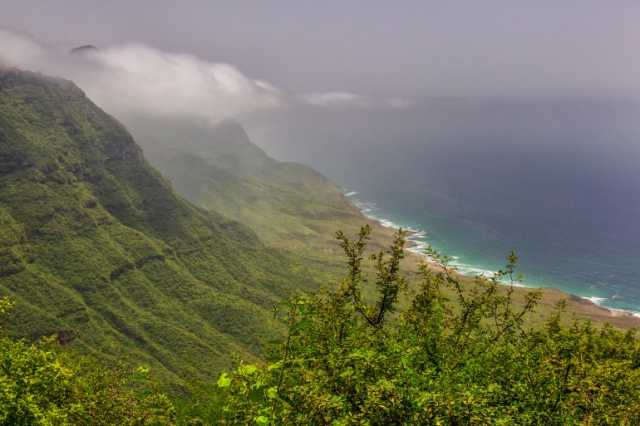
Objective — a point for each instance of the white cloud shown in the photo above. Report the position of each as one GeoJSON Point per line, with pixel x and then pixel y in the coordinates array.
{"type": "Point", "coordinates": [19, 50]}
{"type": "Point", "coordinates": [141, 79]}
{"type": "Point", "coordinates": [137, 79]}
{"type": "Point", "coordinates": [351, 100]}
{"type": "Point", "coordinates": [335, 99]}
{"type": "Point", "coordinates": [400, 103]}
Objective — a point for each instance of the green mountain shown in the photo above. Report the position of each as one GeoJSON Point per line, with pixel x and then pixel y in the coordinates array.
{"type": "Point", "coordinates": [96, 247]}
{"type": "Point", "coordinates": [290, 206]}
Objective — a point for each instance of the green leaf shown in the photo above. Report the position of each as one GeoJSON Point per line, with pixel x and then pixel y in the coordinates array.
{"type": "Point", "coordinates": [272, 392]}
{"type": "Point", "coordinates": [261, 420]}
{"type": "Point", "coordinates": [247, 370]}
{"type": "Point", "coordinates": [224, 381]}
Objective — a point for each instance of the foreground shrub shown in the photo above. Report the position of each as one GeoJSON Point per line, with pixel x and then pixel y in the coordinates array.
{"type": "Point", "coordinates": [456, 355]}
{"type": "Point", "coordinates": [40, 385]}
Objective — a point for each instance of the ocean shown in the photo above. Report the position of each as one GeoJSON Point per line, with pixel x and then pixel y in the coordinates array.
{"type": "Point", "coordinates": [559, 182]}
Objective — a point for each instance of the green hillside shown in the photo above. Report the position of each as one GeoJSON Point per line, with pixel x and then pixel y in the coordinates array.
{"type": "Point", "coordinates": [290, 206]}
{"type": "Point", "coordinates": [98, 251]}
{"type": "Point", "coordinates": [96, 248]}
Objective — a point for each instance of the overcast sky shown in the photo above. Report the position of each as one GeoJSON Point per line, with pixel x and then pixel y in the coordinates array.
{"type": "Point", "coordinates": [354, 87]}
{"type": "Point", "coordinates": [375, 48]}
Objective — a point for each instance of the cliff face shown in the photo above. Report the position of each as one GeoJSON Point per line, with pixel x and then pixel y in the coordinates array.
{"type": "Point", "coordinates": [290, 206]}
{"type": "Point", "coordinates": [97, 248]}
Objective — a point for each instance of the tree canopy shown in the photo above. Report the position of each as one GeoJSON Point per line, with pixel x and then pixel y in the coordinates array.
{"type": "Point", "coordinates": [470, 358]}
{"type": "Point", "coordinates": [40, 384]}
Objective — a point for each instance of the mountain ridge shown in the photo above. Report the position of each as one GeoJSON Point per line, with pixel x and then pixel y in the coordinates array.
{"type": "Point", "coordinates": [97, 249]}
{"type": "Point", "coordinates": [294, 208]}
{"type": "Point", "coordinates": [289, 205]}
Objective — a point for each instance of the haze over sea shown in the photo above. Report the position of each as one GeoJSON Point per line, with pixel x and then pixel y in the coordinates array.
{"type": "Point", "coordinates": [558, 181]}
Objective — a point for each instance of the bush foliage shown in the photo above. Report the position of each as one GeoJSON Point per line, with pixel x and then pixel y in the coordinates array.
{"type": "Point", "coordinates": [467, 359]}
{"type": "Point", "coordinates": [403, 357]}
{"type": "Point", "coordinates": [96, 246]}
{"type": "Point", "coordinates": [39, 385]}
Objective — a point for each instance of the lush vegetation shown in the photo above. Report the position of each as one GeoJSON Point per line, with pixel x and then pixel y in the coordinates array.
{"type": "Point", "coordinates": [470, 359]}
{"type": "Point", "coordinates": [97, 249]}
{"type": "Point", "coordinates": [40, 385]}
{"type": "Point", "coordinates": [290, 206]}
{"type": "Point", "coordinates": [102, 258]}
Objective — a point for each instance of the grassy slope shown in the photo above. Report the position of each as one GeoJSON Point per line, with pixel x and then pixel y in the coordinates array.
{"type": "Point", "coordinates": [96, 247]}
{"type": "Point", "coordinates": [289, 205]}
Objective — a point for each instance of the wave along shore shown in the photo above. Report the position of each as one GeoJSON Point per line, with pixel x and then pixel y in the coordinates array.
{"type": "Point", "coordinates": [418, 242]}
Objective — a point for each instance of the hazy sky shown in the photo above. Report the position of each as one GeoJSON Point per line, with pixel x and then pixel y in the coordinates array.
{"type": "Point", "coordinates": [316, 81]}
{"type": "Point", "coordinates": [376, 48]}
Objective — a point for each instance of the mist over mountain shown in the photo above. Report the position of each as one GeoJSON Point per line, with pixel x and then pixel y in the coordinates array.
{"type": "Point", "coordinates": [133, 80]}
{"type": "Point", "coordinates": [553, 179]}
{"type": "Point", "coordinates": [98, 250]}
{"type": "Point", "coordinates": [301, 213]}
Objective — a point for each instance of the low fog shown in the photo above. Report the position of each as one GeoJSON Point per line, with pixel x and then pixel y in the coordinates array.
{"type": "Point", "coordinates": [333, 86]}
{"type": "Point", "coordinates": [134, 79]}
{"type": "Point", "coordinates": [496, 117]}
{"type": "Point", "coordinates": [381, 48]}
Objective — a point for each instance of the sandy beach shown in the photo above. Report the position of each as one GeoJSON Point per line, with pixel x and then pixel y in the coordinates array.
{"type": "Point", "coordinates": [588, 307]}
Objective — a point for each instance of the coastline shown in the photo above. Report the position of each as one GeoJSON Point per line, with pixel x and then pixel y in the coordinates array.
{"type": "Point", "coordinates": [417, 239]}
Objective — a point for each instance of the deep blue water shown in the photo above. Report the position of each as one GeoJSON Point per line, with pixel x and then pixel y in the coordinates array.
{"type": "Point", "coordinates": [558, 182]}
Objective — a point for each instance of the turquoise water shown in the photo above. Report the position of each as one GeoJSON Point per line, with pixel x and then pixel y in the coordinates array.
{"type": "Point", "coordinates": [561, 187]}
{"type": "Point", "coordinates": [474, 253]}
